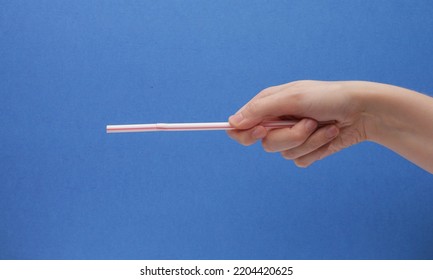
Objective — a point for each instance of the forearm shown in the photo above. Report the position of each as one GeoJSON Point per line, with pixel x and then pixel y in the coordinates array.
{"type": "Point", "coordinates": [401, 120]}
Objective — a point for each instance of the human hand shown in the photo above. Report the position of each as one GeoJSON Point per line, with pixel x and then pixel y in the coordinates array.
{"type": "Point", "coordinates": [311, 102]}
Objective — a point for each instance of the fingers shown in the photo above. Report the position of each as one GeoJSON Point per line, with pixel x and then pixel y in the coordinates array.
{"type": "Point", "coordinates": [316, 147]}
{"type": "Point", "coordinates": [301, 143]}
{"type": "Point", "coordinates": [248, 133]}
{"type": "Point", "coordinates": [276, 140]}
{"type": "Point", "coordinates": [248, 137]}
{"type": "Point", "coordinates": [322, 152]}
{"type": "Point", "coordinates": [265, 106]}
{"type": "Point", "coordinates": [266, 92]}
{"type": "Point", "coordinates": [305, 142]}
{"type": "Point", "coordinates": [282, 139]}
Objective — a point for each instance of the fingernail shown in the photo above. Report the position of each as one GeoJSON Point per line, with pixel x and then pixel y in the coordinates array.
{"type": "Point", "coordinates": [311, 125]}
{"type": "Point", "coordinates": [236, 119]}
{"type": "Point", "coordinates": [331, 132]}
{"type": "Point", "coordinates": [258, 133]}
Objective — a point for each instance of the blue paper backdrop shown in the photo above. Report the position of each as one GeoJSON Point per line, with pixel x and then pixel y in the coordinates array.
{"type": "Point", "coordinates": [70, 191]}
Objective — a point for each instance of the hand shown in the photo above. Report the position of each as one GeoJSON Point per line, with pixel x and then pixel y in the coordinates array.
{"type": "Point", "coordinates": [312, 102]}
{"type": "Point", "coordinates": [395, 117]}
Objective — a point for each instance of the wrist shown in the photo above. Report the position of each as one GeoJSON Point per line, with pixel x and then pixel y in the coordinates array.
{"type": "Point", "coordinates": [389, 112]}
{"type": "Point", "coordinates": [378, 106]}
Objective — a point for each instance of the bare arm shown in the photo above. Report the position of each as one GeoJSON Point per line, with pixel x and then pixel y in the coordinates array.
{"type": "Point", "coordinates": [401, 120]}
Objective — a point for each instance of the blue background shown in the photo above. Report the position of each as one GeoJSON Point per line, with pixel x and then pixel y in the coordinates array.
{"type": "Point", "coordinates": [70, 191]}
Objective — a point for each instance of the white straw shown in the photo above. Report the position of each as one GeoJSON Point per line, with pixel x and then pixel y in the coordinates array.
{"type": "Point", "coordinates": [188, 126]}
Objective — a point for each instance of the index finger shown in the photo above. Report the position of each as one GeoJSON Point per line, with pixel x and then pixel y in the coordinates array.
{"type": "Point", "coordinates": [256, 110]}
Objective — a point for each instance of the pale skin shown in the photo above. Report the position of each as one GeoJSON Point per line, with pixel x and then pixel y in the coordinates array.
{"type": "Point", "coordinates": [395, 117]}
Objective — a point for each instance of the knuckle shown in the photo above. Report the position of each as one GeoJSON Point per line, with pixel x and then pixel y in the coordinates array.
{"type": "Point", "coordinates": [301, 163]}
{"type": "Point", "coordinates": [231, 134]}
{"type": "Point", "coordinates": [266, 91]}
{"type": "Point", "coordinates": [288, 154]}
{"type": "Point", "coordinates": [268, 148]}
{"type": "Point", "coordinates": [246, 142]}
{"type": "Point", "coordinates": [334, 147]}
{"type": "Point", "coordinates": [241, 138]}
{"type": "Point", "coordinates": [251, 107]}
{"type": "Point", "coordinates": [243, 143]}
{"type": "Point", "coordinates": [298, 137]}
{"type": "Point", "coordinates": [300, 83]}
{"type": "Point", "coordinates": [295, 83]}
{"type": "Point", "coordinates": [298, 95]}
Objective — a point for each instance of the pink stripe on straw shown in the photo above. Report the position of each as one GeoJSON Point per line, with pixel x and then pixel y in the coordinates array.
{"type": "Point", "coordinates": [195, 126]}
{"type": "Point", "coordinates": [187, 126]}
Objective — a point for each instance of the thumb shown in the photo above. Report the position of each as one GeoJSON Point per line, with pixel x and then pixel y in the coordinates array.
{"type": "Point", "coordinates": [256, 110]}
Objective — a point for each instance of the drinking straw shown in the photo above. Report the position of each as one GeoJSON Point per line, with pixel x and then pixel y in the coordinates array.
{"type": "Point", "coordinates": [192, 126]}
